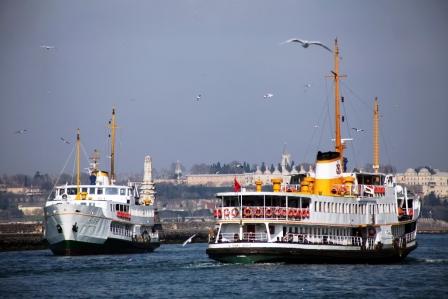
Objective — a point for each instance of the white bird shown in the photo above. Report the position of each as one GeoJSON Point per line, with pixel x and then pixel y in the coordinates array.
{"type": "Point", "coordinates": [306, 43]}
{"type": "Point", "coordinates": [64, 140]}
{"type": "Point", "coordinates": [189, 240]}
{"type": "Point", "coordinates": [198, 97]}
{"type": "Point", "coordinates": [23, 131]}
{"type": "Point", "coordinates": [46, 47]}
{"type": "Point", "coordinates": [358, 130]}
{"type": "Point", "coordinates": [316, 126]}
{"type": "Point", "coordinates": [308, 85]}
{"type": "Point", "coordinates": [268, 96]}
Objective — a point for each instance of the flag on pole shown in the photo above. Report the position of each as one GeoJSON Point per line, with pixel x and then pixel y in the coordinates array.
{"type": "Point", "coordinates": [236, 185]}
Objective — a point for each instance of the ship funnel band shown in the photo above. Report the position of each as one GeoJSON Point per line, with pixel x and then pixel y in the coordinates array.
{"type": "Point", "coordinates": [327, 156]}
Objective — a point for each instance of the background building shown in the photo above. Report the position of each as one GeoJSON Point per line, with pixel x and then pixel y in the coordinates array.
{"type": "Point", "coordinates": [424, 181]}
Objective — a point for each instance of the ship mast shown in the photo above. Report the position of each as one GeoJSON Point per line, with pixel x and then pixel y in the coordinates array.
{"type": "Point", "coordinates": [78, 179]}
{"type": "Point", "coordinates": [339, 147]}
{"type": "Point", "coordinates": [112, 149]}
{"type": "Point", "coordinates": [376, 144]}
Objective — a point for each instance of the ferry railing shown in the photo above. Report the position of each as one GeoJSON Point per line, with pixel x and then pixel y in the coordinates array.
{"type": "Point", "coordinates": [261, 212]}
{"type": "Point", "coordinates": [321, 239]}
{"type": "Point", "coordinates": [247, 237]}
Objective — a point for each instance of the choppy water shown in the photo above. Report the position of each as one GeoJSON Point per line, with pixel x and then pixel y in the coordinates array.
{"type": "Point", "coordinates": [174, 271]}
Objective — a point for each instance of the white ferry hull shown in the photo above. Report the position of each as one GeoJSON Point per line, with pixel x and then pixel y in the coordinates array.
{"type": "Point", "coordinates": [82, 230]}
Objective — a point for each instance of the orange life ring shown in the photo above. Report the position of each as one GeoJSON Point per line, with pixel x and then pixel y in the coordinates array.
{"type": "Point", "coordinates": [226, 212]}
{"type": "Point", "coordinates": [268, 212]}
{"type": "Point", "coordinates": [291, 213]}
{"type": "Point", "coordinates": [283, 212]}
{"type": "Point", "coordinates": [298, 213]}
{"type": "Point", "coordinates": [258, 212]}
{"type": "Point", "coordinates": [247, 212]}
{"type": "Point", "coordinates": [277, 212]}
{"type": "Point", "coordinates": [235, 212]}
{"type": "Point", "coordinates": [334, 190]}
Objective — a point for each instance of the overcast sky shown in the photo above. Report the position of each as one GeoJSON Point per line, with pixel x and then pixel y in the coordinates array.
{"type": "Point", "coordinates": [150, 59]}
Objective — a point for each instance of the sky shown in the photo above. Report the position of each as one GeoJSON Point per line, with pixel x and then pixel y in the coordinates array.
{"type": "Point", "coordinates": [151, 59]}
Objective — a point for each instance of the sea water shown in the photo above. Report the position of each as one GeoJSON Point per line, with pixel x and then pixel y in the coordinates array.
{"type": "Point", "coordinates": [173, 271]}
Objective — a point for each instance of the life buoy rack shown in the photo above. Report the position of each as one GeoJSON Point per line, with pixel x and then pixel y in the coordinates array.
{"type": "Point", "coordinates": [226, 212]}
{"type": "Point", "coordinates": [247, 212]}
{"type": "Point", "coordinates": [258, 212]}
{"type": "Point", "coordinates": [235, 212]}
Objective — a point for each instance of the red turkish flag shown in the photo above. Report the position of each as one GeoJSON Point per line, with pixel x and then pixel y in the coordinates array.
{"type": "Point", "coordinates": [236, 186]}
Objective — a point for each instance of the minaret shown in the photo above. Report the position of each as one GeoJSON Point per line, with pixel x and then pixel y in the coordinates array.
{"type": "Point", "coordinates": [147, 189]}
{"type": "Point", "coordinates": [178, 171]}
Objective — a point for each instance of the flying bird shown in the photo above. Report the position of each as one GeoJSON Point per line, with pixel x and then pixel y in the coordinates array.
{"type": "Point", "coordinates": [46, 47]}
{"type": "Point", "coordinates": [358, 130]}
{"type": "Point", "coordinates": [306, 43]}
{"type": "Point", "coordinates": [189, 240]}
{"type": "Point", "coordinates": [316, 126]}
{"type": "Point", "coordinates": [23, 131]}
{"type": "Point", "coordinates": [268, 96]}
{"type": "Point", "coordinates": [64, 140]}
{"type": "Point", "coordinates": [198, 97]}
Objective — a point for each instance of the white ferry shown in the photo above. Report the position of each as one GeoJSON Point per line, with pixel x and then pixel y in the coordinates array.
{"type": "Point", "coordinates": [329, 217]}
{"type": "Point", "coordinates": [101, 218]}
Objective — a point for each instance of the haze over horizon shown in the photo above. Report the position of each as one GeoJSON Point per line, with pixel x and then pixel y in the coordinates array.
{"type": "Point", "coordinates": [151, 59]}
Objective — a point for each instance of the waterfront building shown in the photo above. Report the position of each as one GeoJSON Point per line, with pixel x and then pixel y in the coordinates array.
{"type": "Point", "coordinates": [424, 181]}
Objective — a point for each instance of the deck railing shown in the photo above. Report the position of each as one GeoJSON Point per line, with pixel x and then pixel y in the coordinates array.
{"type": "Point", "coordinates": [321, 239]}
{"type": "Point", "coordinates": [260, 212]}
{"type": "Point", "coordinates": [247, 237]}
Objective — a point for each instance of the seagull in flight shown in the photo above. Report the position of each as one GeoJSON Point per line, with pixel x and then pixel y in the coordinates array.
{"type": "Point", "coordinates": [268, 96]}
{"type": "Point", "coordinates": [46, 47]}
{"type": "Point", "coordinates": [198, 97]}
{"type": "Point", "coordinates": [306, 43]}
{"type": "Point", "coordinates": [316, 126]}
{"type": "Point", "coordinates": [23, 131]}
{"type": "Point", "coordinates": [358, 130]}
{"type": "Point", "coordinates": [189, 240]}
{"type": "Point", "coordinates": [64, 140]}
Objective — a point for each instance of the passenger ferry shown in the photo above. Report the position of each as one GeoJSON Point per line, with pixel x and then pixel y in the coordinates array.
{"type": "Point", "coordinates": [101, 217]}
{"type": "Point", "coordinates": [330, 216]}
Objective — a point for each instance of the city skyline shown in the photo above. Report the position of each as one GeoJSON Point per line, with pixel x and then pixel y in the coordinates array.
{"type": "Point", "coordinates": [203, 82]}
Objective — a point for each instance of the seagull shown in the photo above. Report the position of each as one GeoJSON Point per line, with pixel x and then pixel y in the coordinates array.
{"type": "Point", "coordinates": [358, 130]}
{"type": "Point", "coordinates": [46, 47]}
{"type": "Point", "coordinates": [64, 140]}
{"type": "Point", "coordinates": [23, 131]}
{"type": "Point", "coordinates": [189, 240]}
{"type": "Point", "coordinates": [306, 43]}
{"type": "Point", "coordinates": [268, 96]}
{"type": "Point", "coordinates": [199, 96]}
{"type": "Point", "coordinates": [316, 126]}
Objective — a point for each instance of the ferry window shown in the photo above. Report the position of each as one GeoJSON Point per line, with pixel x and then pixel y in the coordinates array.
{"type": "Point", "coordinates": [71, 191]}
{"type": "Point", "coordinates": [99, 191]}
{"type": "Point", "coordinates": [117, 207]}
{"type": "Point", "coordinates": [356, 209]}
{"type": "Point", "coordinates": [122, 191]}
{"type": "Point", "coordinates": [290, 230]}
{"type": "Point", "coordinates": [230, 201]}
{"type": "Point", "coordinates": [91, 190]}
{"type": "Point", "coordinates": [61, 191]}
{"type": "Point", "coordinates": [320, 207]}
{"type": "Point", "coordinates": [296, 229]}
{"type": "Point", "coordinates": [111, 191]}
{"type": "Point", "coordinates": [293, 202]}
{"type": "Point", "coordinates": [84, 190]}
{"type": "Point", "coordinates": [305, 202]}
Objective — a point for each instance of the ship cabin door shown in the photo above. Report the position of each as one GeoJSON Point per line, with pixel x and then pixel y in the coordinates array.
{"type": "Point", "coordinates": [249, 232]}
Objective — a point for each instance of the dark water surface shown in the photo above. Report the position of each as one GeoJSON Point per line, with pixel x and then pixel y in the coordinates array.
{"type": "Point", "coordinates": [174, 271]}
